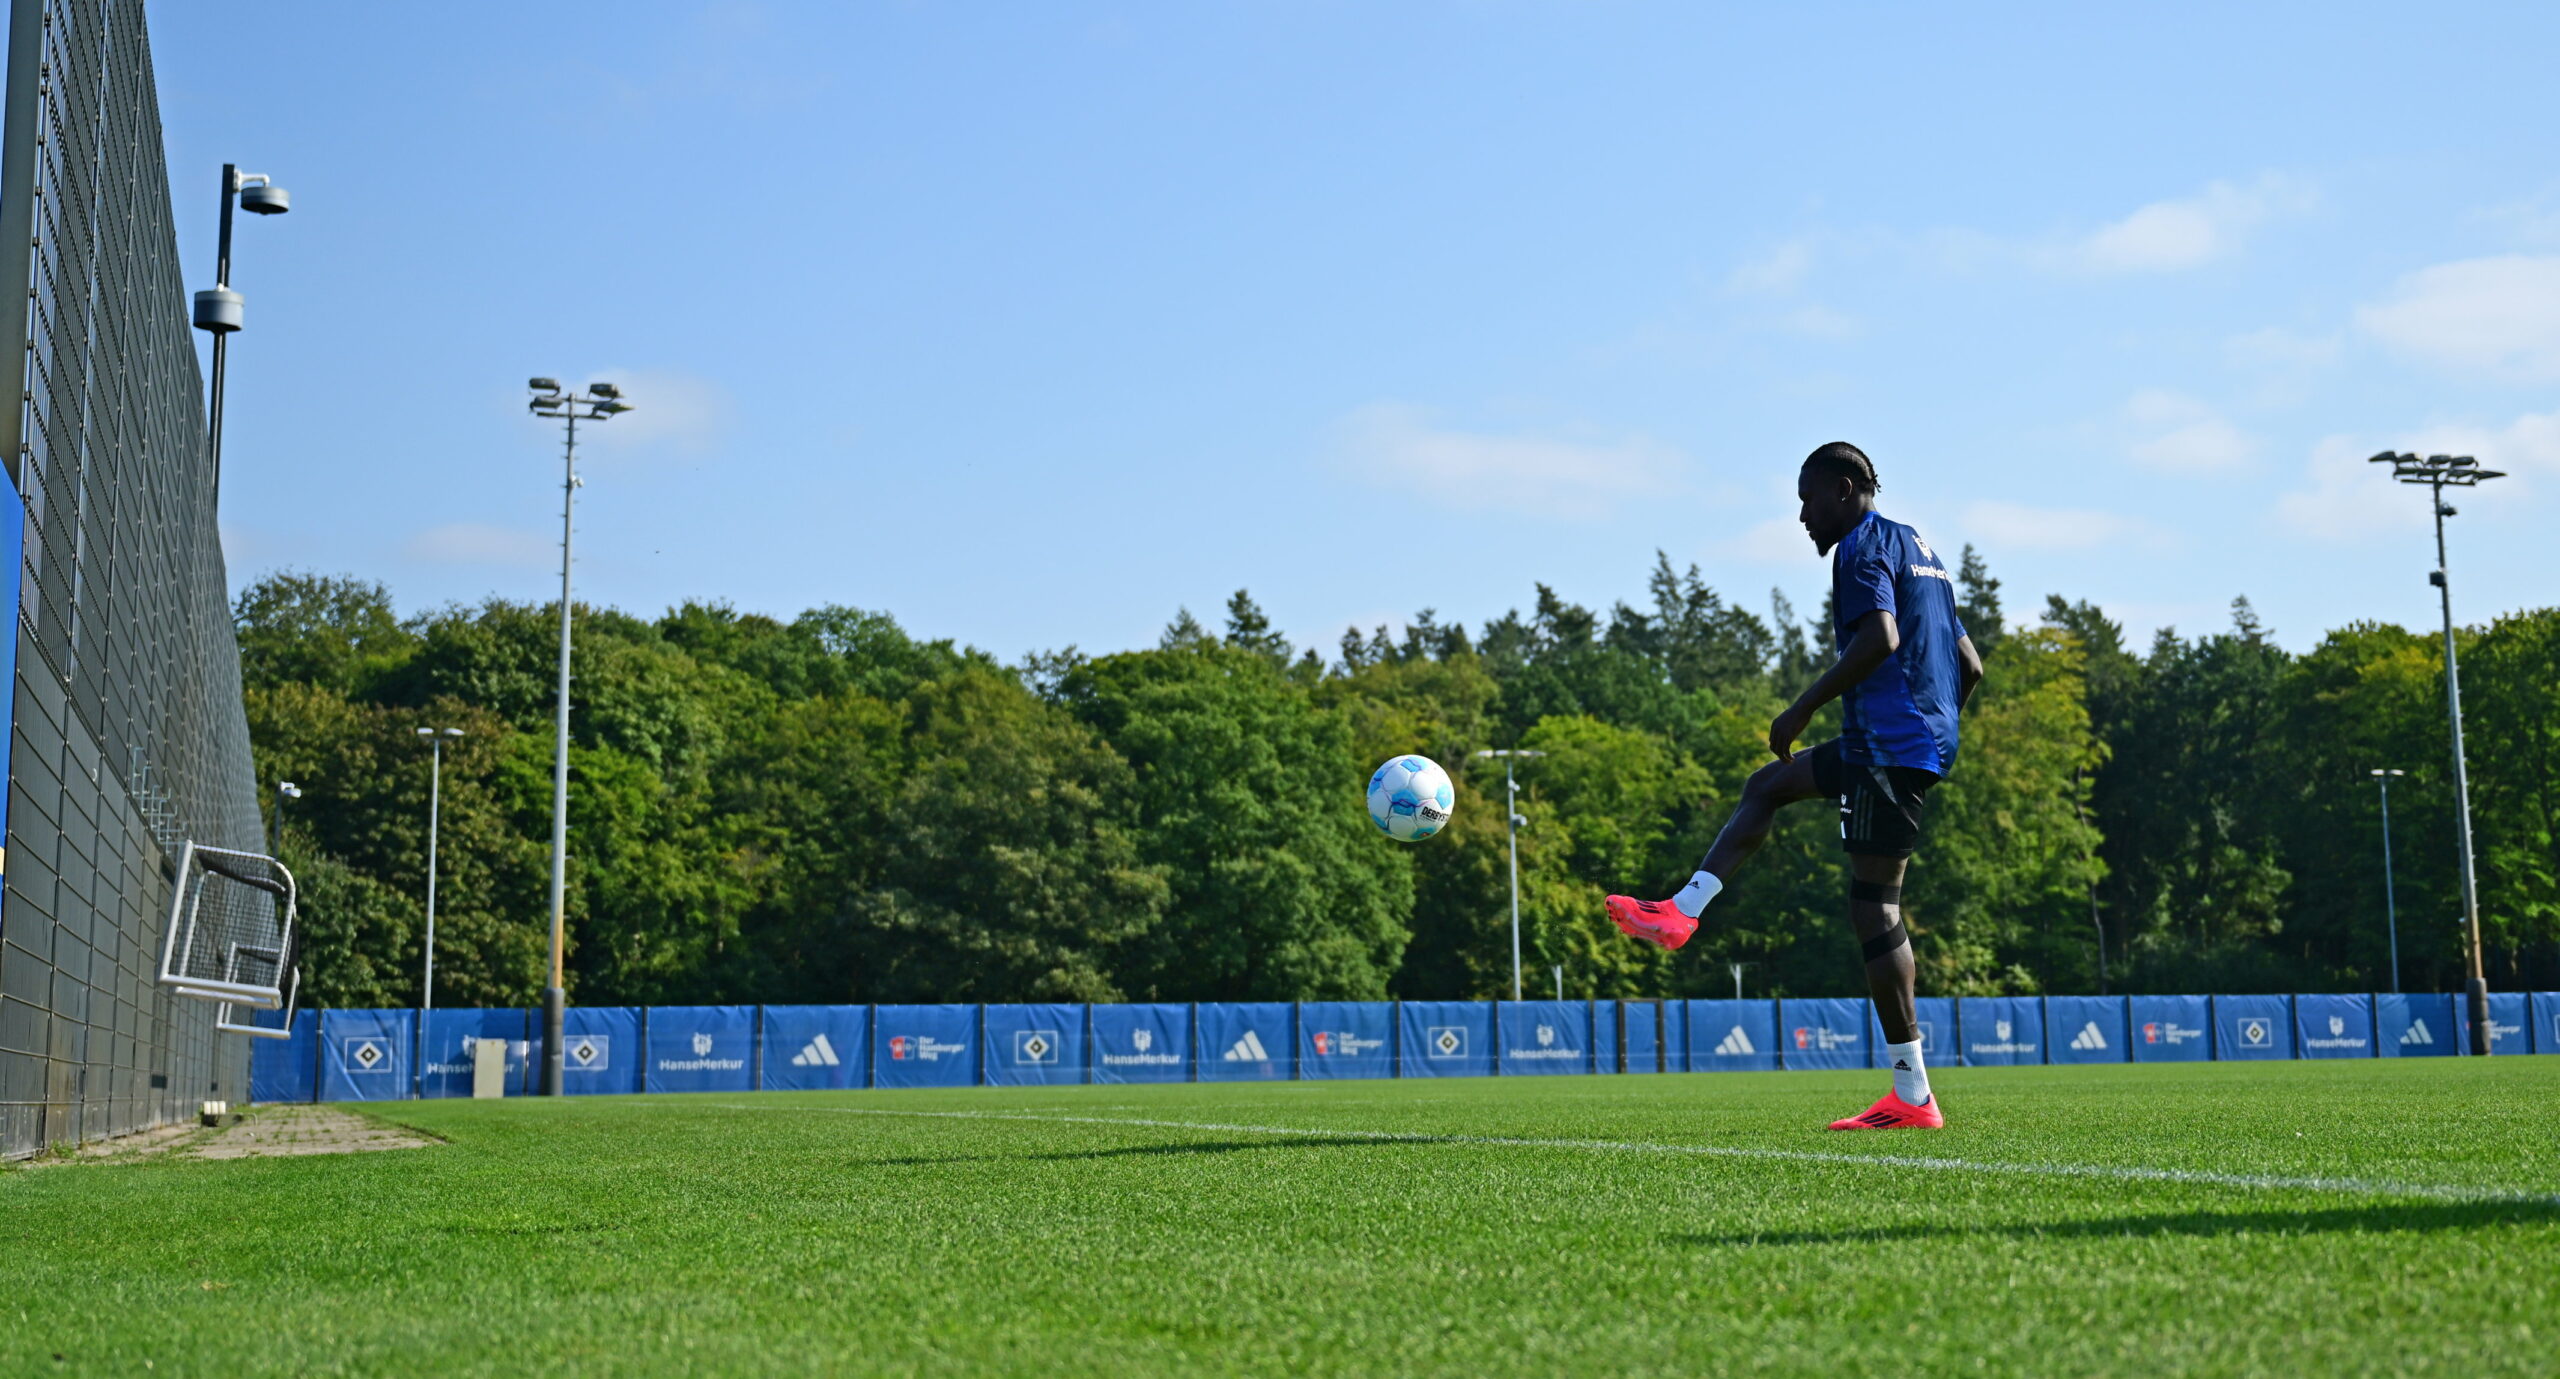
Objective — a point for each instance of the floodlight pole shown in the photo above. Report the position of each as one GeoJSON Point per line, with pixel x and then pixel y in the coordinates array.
{"type": "Point", "coordinates": [218, 312]}
{"type": "Point", "coordinates": [600, 402]}
{"type": "Point", "coordinates": [285, 790]}
{"type": "Point", "coordinates": [1512, 820]}
{"type": "Point", "coordinates": [2437, 473]}
{"type": "Point", "coordinates": [2390, 901]}
{"type": "Point", "coordinates": [436, 739]}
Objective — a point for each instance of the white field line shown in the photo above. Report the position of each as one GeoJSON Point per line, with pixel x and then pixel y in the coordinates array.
{"type": "Point", "coordinates": [2258, 1182]}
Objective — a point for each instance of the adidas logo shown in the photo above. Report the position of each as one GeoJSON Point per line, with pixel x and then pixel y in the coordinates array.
{"type": "Point", "coordinates": [1736, 1043]}
{"type": "Point", "coordinates": [819, 1054]}
{"type": "Point", "coordinates": [2417, 1033]}
{"type": "Point", "coordinates": [1248, 1050]}
{"type": "Point", "coordinates": [2089, 1037]}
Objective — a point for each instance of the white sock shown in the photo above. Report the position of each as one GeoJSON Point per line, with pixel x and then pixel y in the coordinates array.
{"type": "Point", "coordinates": [1692, 899]}
{"type": "Point", "coordinates": [1910, 1080]}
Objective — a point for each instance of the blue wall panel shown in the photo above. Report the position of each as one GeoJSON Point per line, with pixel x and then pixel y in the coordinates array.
{"type": "Point", "coordinates": [2546, 1022]}
{"type": "Point", "coordinates": [2507, 1016]}
{"type": "Point", "coordinates": [603, 1052]}
{"type": "Point", "coordinates": [1604, 1036]}
{"type": "Point", "coordinates": [2085, 1029]}
{"type": "Point", "coordinates": [1643, 1041]}
{"type": "Point", "coordinates": [2171, 1029]}
{"type": "Point", "coordinates": [2001, 1031]}
{"type": "Point", "coordinates": [1538, 1038]}
{"type": "Point", "coordinates": [701, 1049]}
{"type": "Point", "coordinates": [1247, 1041]}
{"type": "Point", "coordinates": [2333, 1026]}
{"type": "Point", "coordinates": [1675, 1032]}
{"type": "Point", "coordinates": [924, 1046]}
{"type": "Point", "coordinates": [1347, 1039]}
{"type": "Point", "coordinates": [1823, 1032]}
{"type": "Point", "coordinates": [1141, 1043]}
{"type": "Point", "coordinates": [2415, 1026]}
{"type": "Point", "coordinates": [1034, 1045]}
{"type": "Point", "coordinates": [1728, 1036]}
{"type": "Point", "coordinates": [1446, 1039]}
{"type": "Point", "coordinates": [364, 1054]}
{"type": "Point", "coordinates": [453, 1035]}
{"type": "Point", "coordinates": [287, 1069]}
{"type": "Point", "coordinates": [816, 1048]}
{"type": "Point", "coordinates": [2247, 1028]}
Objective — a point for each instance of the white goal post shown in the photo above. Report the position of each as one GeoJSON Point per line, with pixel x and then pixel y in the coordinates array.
{"type": "Point", "coordinates": [230, 929]}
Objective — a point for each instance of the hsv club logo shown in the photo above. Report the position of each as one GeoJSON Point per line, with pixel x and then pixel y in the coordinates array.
{"type": "Point", "coordinates": [898, 1044]}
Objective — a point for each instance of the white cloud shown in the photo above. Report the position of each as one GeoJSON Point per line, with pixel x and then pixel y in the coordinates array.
{"type": "Point", "coordinates": [2179, 435]}
{"type": "Point", "coordinates": [2167, 236]}
{"type": "Point", "coordinates": [1777, 271]}
{"type": "Point", "coordinates": [1822, 323]}
{"type": "Point", "coordinates": [2277, 348]}
{"type": "Point", "coordinates": [1395, 446]}
{"type": "Point", "coordinates": [2016, 526]}
{"type": "Point", "coordinates": [1777, 541]}
{"type": "Point", "coordinates": [2498, 314]}
{"type": "Point", "coordinates": [478, 543]}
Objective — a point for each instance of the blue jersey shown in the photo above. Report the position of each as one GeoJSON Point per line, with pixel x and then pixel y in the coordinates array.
{"type": "Point", "coordinates": [1904, 712]}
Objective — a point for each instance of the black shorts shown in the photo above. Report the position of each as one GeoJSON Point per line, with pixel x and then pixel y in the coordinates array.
{"type": "Point", "coordinates": [1879, 805]}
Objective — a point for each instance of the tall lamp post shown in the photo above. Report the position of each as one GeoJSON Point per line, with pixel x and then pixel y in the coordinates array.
{"type": "Point", "coordinates": [2390, 902]}
{"type": "Point", "coordinates": [2438, 473]}
{"type": "Point", "coordinates": [435, 738]}
{"type": "Point", "coordinates": [218, 308]}
{"type": "Point", "coordinates": [1512, 820]}
{"type": "Point", "coordinates": [600, 402]}
{"type": "Point", "coordinates": [285, 790]}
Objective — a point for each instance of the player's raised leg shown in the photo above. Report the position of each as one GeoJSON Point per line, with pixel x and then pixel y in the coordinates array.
{"type": "Point", "coordinates": [1771, 788]}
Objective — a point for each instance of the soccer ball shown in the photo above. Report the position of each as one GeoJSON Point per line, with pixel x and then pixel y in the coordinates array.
{"type": "Point", "coordinates": [1410, 798]}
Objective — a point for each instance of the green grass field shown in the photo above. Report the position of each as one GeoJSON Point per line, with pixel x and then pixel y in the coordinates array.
{"type": "Point", "coordinates": [2328, 1218]}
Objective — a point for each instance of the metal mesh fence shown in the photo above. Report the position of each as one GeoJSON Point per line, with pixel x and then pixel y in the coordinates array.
{"type": "Point", "coordinates": [127, 732]}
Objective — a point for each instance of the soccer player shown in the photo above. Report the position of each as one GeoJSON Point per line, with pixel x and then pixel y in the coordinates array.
{"type": "Point", "coordinates": [1905, 668]}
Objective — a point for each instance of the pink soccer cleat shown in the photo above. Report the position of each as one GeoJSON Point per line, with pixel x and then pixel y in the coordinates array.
{"type": "Point", "coordinates": [1657, 922]}
{"type": "Point", "coordinates": [1893, 1113]}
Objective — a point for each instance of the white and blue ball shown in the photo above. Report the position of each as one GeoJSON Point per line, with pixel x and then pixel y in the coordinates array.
{"type": "Point", "coordinates": [1410, 798]}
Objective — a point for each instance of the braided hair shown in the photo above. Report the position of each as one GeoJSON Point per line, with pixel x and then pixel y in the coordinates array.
{"type": "Point", "coordinates": [1841, 460]}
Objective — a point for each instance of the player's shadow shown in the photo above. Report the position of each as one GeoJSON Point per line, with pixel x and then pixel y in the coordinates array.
{"type": "Point", "coordinates": [2412, 1216]}
{"type": "Point", "coordinates": [1129, 1151]}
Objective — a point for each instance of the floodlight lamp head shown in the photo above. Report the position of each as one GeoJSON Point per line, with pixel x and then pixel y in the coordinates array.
{"type": "Point", "coordinates": [604, 390]}
{"type": "Point", "coordinates": [543, 385]}
{"type": "Point", "coordinates": [452, 732]}
{"type": "Point", "coordinates": [288, 790]}
{"type": "Point", "coordinates": [265, 198]}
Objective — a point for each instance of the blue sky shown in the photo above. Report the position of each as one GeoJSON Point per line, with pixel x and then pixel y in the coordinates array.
{"type": "Point", "coordinates": [1030, 323]}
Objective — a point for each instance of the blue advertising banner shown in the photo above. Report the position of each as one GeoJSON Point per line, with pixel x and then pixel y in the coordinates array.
{"type": "Point", "coordinates": [2506, 1022]}
{"type": "Point", "coordinates": [2415, 1026]}
{"type": "Point", "coordinates": [287, 1069]}
{"type": "Point", "coordinates": [1446, 1039]}
{"type": "Point", "coordinates": [364, 1054]}
{"type": "Point", "coordinates": [1675, 1034]}
{"type": "Point", "coordinates": [1538, 1038]}
{"type": "Point", "coordinates": [2001, 1031]}
{"type": "Point", "coordinates": [1247, 1041]}
{"type": "Point", "coordinates": [1643, 1044]}
{"type": "Point", "coordinates": [454, 1035]}
{"type": "Point", "coordinates": [1604, 1036]}
{"type": "Point", "coordinates": [1822, 1032]}
{"type": "Point", "coordinates": [1346, 1039]}
{"type": "Point", "coordinates": [2085, 1029]}
{"type": "Point", "coordinates": [1142, 1043]}
{"type": "Point", "coordinates": [701, 1049]}
{"type": "Point", "coordinates": [924, 1046]}
{"type": "Point", "coordinates": [1728, 1036]}
{"type": "Point", "coordinates": [816, 1048]}
{"type": "Point", "coordinates": [2171, 1029]}
{"type": "Point", "coordinates": [2546, 1022]}
{"type": "Point", "coordinates": [2252, 1027]}
{"type": "Point", "coordinates": [601, 1050]}
{"type": "Point", "coordinates": [1034, 1045]}
{"type": "Point", "coordinates": [2333, 1026]}
{"type": "Point", "coordinates": [1937, 1018]}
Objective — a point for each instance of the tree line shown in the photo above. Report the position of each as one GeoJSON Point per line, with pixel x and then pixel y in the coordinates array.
{"type": "Point", "coordinates": [830, 809]}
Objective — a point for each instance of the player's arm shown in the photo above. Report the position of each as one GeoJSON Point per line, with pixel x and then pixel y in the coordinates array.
{"type": "Point", "coordinates": [1876, 639]}
{"type": "Point", "coordinates": [1968, 670]}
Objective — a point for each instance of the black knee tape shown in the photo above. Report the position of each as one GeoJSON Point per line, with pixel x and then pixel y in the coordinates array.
{"type": "Point", "coordinates": [1886, 942]}
{"type": "Point", "coordinates": [1877, 894]}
